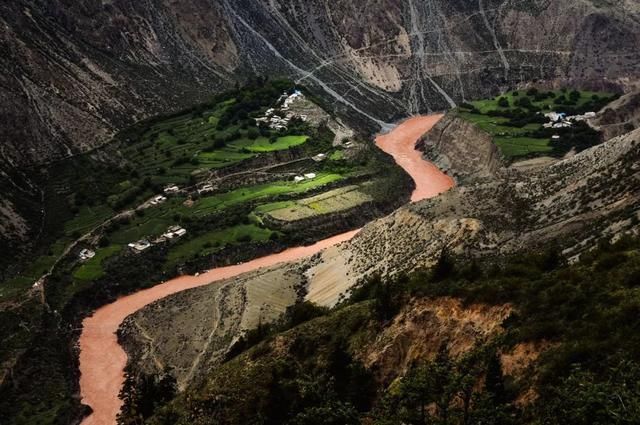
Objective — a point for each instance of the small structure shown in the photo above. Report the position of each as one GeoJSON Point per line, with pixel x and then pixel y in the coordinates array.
{"type": "Point", "coordinates": [174, 232]}
{"type": "Point", "coordinates": [171, 190]}
{"type": "Point", "coordinates": [139, 246]}
{"type": "Point", "coordinates": [86, 254]}
{"type": "Point", "coordinates": [158, 200]}
{"type": "Point", "coordinates": [298, 179]}
{"type": "Point", "coordinates": [310, 176]}
{"type": "Point", "coordinates": [207, 188]}
{"type": "Point", "coordinates": [555, 137]}
{"type": "Point", "coordinates": [320, 157]}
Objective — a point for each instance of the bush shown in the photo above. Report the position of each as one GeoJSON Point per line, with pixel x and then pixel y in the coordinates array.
{"type": "Point", "coordinates": [503, 102]}
{"type": "Point", "coordinates": [253, 133]}
{"type": "Point", "coordinates": [244, 238]}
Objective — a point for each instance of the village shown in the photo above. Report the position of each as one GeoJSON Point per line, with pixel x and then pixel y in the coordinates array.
{"type": "Point", "coordinates": [279, 119]}
{"type": "Point", "coordinates": [561, 120]}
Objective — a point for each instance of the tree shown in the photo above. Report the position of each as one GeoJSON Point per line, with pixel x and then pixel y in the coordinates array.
{"type": "Point", "coordinates": [444, 267]}
{"type": "Point", "coordinates": [253, 133]}
{"type": "Point", "coordinates": [503, 102]}
{"type": "Point", "coordinates": [494, 381]}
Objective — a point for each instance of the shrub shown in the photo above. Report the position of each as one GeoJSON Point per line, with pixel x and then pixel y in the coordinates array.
{"type": "Point", "coordinates": [253, 133]}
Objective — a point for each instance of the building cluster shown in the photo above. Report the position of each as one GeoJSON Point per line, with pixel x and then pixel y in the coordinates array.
{"type": "Point", "coordinates": [279, 119]}
{"type": "Point", "coordinates": [139, 246]}
{"type": "Point", "coordinates": [562, 120]}
{"type": "Point", "coordinates": [173, 232]}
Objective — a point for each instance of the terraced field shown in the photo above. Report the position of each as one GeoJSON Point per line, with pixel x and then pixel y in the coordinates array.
{"type": "Point", "coordinates": [336, 200]}
{"type": "Point", "coordinates": [110, 202]}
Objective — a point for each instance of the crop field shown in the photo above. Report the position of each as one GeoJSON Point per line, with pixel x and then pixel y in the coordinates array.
{"type": "Point", "coordinates": [171, 150]}
{"type": "Point", "coordinates": [212, 203]}
{"type": "Point", "coordinates": [263, 144]}
{"type": "Point", "coordinates": [515, 120]}
{"type": "Point", "coordinates": [336, 200]}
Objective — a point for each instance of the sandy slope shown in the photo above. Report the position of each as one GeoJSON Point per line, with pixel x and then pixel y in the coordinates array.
{"type": "Point", "coordinates": [102, 360]}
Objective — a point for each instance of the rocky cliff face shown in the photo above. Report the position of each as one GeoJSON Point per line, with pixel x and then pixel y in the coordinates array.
{"type": "Point", "coordinates": [448, 146]}
{"type": "Point", "coordinates": [621, 117]}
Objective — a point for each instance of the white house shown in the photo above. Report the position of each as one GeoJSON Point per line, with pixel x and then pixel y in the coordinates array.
{"type": "Point", "coordinates": [205, 189]}
{"type": "Point", "coordinates": [310, 176]}
{"type": "Point", "coordinates": [86, 254]}
{"type": "Point", "coordinates": [174, 232]}
{"type": "Point", "coordinates": [139, 246]}
{"type": "Point", "coordinates": [298, 179]}
{"type": "Point", "coordinates": [158, 200]}
{"type": "Point", "coordinates": [171, 189]}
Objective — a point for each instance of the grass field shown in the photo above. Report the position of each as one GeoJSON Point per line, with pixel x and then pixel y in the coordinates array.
{"type": "Point", "coordinates": [211, 242]}
{"type": "Point", "coordinates": [155, 221]}
{"type": "Point", "coordinates": [263, 144]}
{"type": "Point", "coordinates": [487, 105]}
{"type": "Point", "coordinates": [33, 272]}
{"type": "Point", "coordinates": [92, 269]}
{"type": "Point", "coordinates": [87, 219]}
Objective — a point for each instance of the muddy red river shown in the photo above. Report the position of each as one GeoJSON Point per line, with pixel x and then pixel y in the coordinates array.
{"type": "Point", "coordinates": [102, 360]}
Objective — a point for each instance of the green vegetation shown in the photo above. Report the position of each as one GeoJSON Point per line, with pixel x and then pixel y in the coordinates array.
{"type": "Point", "coordinates": [263, 144]}
{"type": "Point", "coordinates": [306, 368]}
{"type": "Point", "coordinates": [100, 194]}
{"type": "Point", "coordinates": [515, 120]}
{"type": "Point", "coordinates": [92, 269]}
{"type": "Point", "coordinates": [211, 242]}
{"type": "Point", "coordinates": [337, 156]}
{"type": "Point", "coordinates": [247, 194]}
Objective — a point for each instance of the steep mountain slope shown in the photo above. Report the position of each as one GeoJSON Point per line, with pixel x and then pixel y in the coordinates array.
{"type": "Point", "coordinates": [74, 73]}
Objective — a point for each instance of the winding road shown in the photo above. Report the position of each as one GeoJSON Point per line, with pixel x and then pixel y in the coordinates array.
{"type": "Point", "coordinates": [102, 360]}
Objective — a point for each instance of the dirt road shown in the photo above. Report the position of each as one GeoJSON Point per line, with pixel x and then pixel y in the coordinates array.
{"type": "Point", "coordinates": [102, 360]}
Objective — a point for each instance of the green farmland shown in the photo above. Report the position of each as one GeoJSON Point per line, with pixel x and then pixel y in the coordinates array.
{"type": "Point", "coordinates": [515, 120]}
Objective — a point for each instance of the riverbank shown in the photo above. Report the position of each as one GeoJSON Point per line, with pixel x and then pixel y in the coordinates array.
{"type": "Point", "coordinates": [102, 360]}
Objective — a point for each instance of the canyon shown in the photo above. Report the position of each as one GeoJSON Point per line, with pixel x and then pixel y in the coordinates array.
{"type": "Point", "coordinates": [102, 361]}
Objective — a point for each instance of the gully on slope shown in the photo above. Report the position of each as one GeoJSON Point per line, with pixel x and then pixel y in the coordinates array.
{"type": "Point", "coordinates": [102, 360]}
